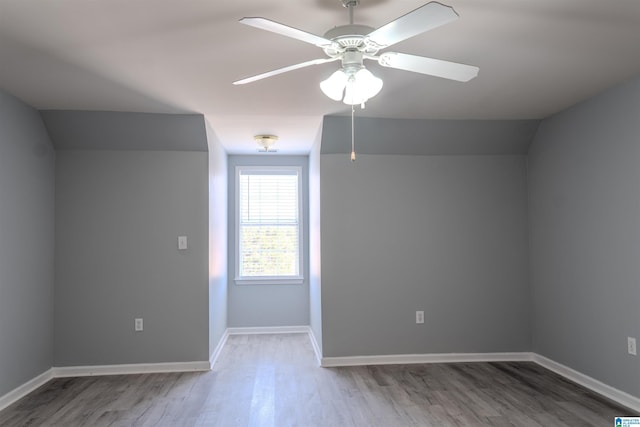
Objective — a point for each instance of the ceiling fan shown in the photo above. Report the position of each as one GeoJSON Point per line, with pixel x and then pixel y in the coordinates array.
{"type": "Point", "coordinates": [352, 44]}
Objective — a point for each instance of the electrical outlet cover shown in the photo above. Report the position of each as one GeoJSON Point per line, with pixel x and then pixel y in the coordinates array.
{"type": "Point", "coordinates": [182, 242]}
{"type": "Point", "coordinates": [631, 346]}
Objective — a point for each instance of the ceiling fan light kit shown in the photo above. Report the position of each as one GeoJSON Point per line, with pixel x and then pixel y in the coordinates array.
{"type": "Point", "coordinates": [360, 87]}
{"type": "Point", "coordinates": [333, 87]}
{"type": "Point", "coordinates": [353, 83]}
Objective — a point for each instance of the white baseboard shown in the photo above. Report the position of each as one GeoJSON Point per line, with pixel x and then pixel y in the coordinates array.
{"type": "Point", "coordinates": [26, 388]}
{"type": "Point", "coordinates": [592, 384]}
{"type": "Point", "coordinates": [216, 352]}
{"type": "Point", "coordinates": [607, 391]}
{"type": "Point", "coordinates": [84, 371]}
{"type": "Point", "coordinates": [268, 330]}
{"type": "Point", "coordinates": [403, 359]}
{"type": "Point", "coordinates": [316, 347]}
{"type": "Point", "coordinates": [136, 368]}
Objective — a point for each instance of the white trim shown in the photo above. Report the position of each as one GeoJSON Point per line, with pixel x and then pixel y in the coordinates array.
{"type": "Point", "coordinates": [216, 352]}
{"type": "Point", "coordinates": [280, 280]}
{"type": "Point", "coordinates": [26, 388]}
{"type": "Point", "coordinates": [268, 330]}
{"type": "Point", "coordinates": [280, 170]}
{"type": "Point", "coordinates": [316, 347]}
{"type": "Point", "coordinates": [592, 384]}
{"type": "Point", "coordinates": [402, 359]}
{"type": "Point", "coordinates": [136, 368]}
{"type": "Point", "coordinates": [85, 371]}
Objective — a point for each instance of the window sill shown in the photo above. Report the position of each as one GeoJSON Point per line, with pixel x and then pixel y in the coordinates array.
{"type": "Point", "coordinates": [269, 281]}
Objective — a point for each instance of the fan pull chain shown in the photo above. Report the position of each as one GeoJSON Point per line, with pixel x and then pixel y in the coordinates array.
{"type": "Point", "coordinates": [353, 134]}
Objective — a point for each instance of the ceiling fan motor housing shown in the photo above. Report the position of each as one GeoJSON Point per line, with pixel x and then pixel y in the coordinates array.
{"type": "Point", "coordinates": [349, 37]}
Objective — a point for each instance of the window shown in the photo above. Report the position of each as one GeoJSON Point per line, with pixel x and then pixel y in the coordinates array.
{"type": "Point", "coordinates": [268, 225]}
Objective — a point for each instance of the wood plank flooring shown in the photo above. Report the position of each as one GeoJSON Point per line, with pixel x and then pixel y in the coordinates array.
{"type": "Point", "coordinates": [273, 381]}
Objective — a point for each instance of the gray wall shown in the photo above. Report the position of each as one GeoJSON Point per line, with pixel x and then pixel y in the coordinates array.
{"type": "Point", "coordinates": [267, 305]}
{"type": "Point", "coordinates": [118, 216]}
{"type": "Point", "coordinates": [315, 265]}
{"type": "Point", "coordinates": [443, 234]}
{"type": "Point", "coordinates": [27, 164]}
{"type": "Point", "coordinates": [428, 137]}
{"type": "Point", "coordinates": [110, 130]}
{"type": "Point", "coordinates": [584, 188]}
{"type": "Point", "coordinates": [218, 207]}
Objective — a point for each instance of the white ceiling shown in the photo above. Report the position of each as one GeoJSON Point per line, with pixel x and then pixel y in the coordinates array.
{"type": "Point", "coordinates": [536, 57]}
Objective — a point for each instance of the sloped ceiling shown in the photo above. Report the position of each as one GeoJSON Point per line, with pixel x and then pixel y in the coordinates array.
{"type": "Point", "coordinates": [165, 56]}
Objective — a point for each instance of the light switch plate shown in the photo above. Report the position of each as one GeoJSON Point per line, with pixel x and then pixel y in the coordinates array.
{"type": "Point", "coordinates": [182, 242]}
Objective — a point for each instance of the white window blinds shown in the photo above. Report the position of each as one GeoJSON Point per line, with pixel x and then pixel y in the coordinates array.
{"type": "Point", "coordinates": [268, 223]}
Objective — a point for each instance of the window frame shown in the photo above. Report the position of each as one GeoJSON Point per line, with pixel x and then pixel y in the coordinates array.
{"type": "Point", "coordinates": [269, 280]}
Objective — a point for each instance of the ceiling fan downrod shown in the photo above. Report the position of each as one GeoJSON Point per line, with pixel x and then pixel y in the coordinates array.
{"type": "Point", "coordinates": [350, 4]}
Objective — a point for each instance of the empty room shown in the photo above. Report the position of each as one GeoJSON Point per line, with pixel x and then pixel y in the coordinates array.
{"type": "Point", "coordinates": [319, 213]}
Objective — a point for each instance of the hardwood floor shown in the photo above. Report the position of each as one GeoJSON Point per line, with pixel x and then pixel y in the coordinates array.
{"type": "Point", "coordinates": [273, 380]}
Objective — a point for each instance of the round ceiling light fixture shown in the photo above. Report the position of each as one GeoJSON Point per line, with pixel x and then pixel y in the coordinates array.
{"type": "Point", "coordinates": [265, 142]}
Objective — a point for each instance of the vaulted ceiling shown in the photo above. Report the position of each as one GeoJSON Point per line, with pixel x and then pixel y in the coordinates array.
{"type": "Point", "coordinates": [535, 57]}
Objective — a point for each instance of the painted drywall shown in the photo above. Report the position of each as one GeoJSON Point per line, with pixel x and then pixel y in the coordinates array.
{"type": "Point", "coordinates": [315, 254]}
{"type": "Point", "coordinates": [118, 217]}
{"type": "Point", "coordinates": [110, 130]}
{"type": "Point", "coordinates": [428, 137]}
{"type": "Point", "coordinates": [218, 207]}
{"type": "Point", "coordinates": [27, 163]}
{"type": "Point", "coordinates": [268, 305]}
{"type": "Point", "coordinates": [442, 234]}
{"type": "Point", "coordinates": [585, 236]}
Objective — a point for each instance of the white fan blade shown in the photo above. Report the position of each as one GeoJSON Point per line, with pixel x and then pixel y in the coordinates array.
{"type": "Point", "coordinates": [284, 70]}
{"type": "Point", "coordinates": [424, 18]}
{"type": "Point", "coordinates": [276, 27]}
{"type": "Point", "coordinates": [430, 66]}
